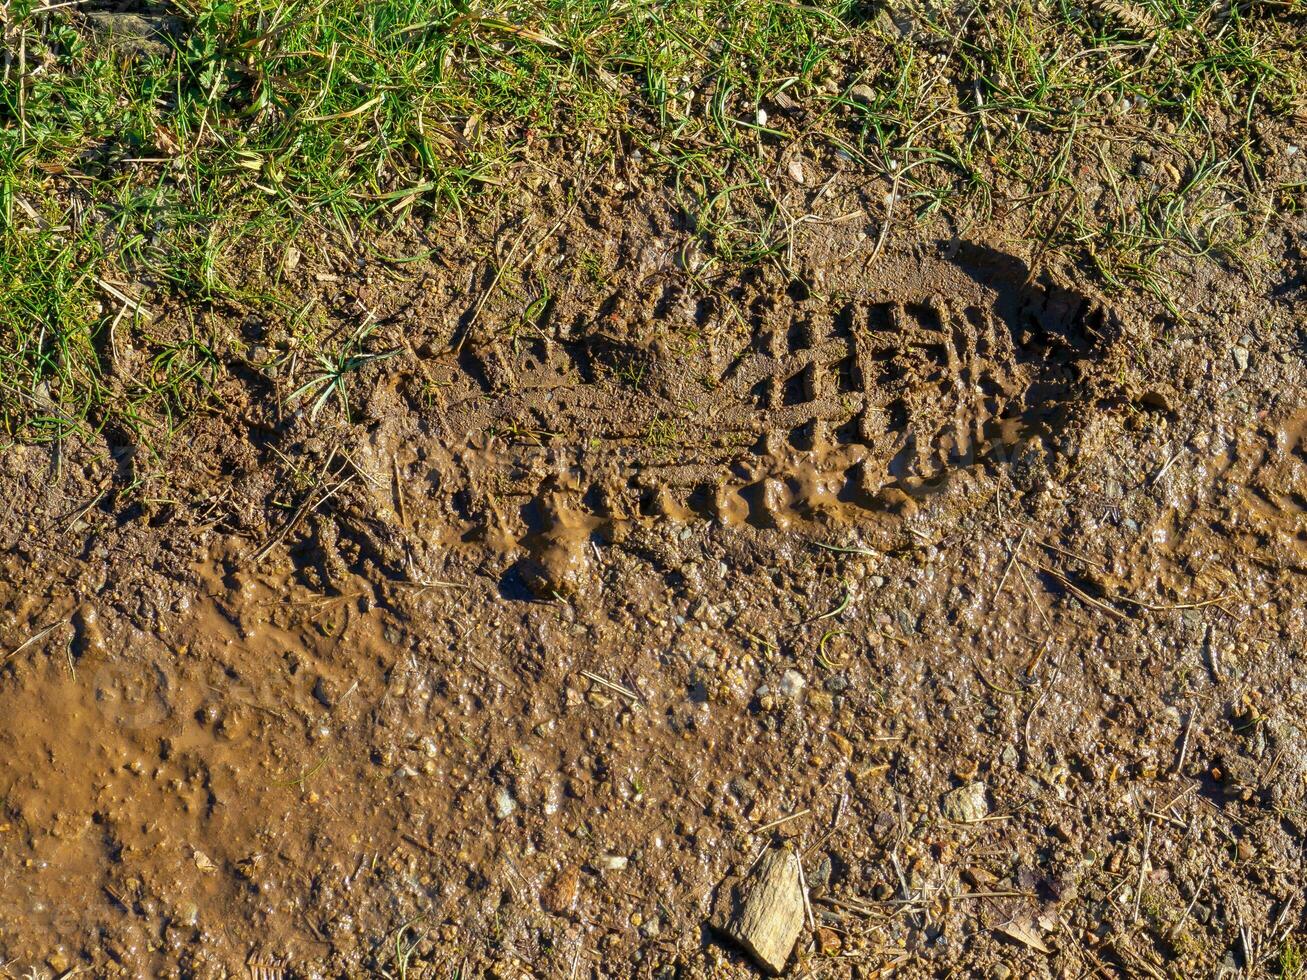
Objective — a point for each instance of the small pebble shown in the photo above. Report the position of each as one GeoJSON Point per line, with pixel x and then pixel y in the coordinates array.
{"type": "Point", "coordinates": [792, 684]}
{"type": "Point", "coordinates": [504, 803]}
{"type": "Point", "coordinates": [967, 804]}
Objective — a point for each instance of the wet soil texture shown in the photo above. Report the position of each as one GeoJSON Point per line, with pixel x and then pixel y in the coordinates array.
{"type": "Point", "coordinates": [974, 588]}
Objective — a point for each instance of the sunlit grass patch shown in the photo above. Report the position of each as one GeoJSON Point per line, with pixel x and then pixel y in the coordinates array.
{"type": "Point", "coordinates": [172, 158]}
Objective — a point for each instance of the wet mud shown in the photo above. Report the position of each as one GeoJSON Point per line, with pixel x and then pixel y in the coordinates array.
{"type": "Point", "coordinates": [820, 413]}
{"type": "Point", "coordinates": [979, 589]}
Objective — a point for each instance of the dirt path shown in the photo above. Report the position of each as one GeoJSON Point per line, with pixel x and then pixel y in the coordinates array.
{"type": "Point", "coordinates": [978, 588]}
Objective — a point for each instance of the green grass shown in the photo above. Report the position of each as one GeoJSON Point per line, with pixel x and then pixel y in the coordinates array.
{"type": "Point", "coordinates": [1290, 965]}
{"type": "Point", "coordinates": [1126, 136]}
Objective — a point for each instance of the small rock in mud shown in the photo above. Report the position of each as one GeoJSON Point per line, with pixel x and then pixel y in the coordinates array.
{"type": "Point", "coordinates": [967, 804]}
{"type": "Point", "coordinates": [611, 862]}
{"type": "Point", "coordinates": [763, 914]}
{"type": "Point", "coordinates": [504, 803]}
{"type": "Point", "coordinates": [792, 684]}
{"type": "Point", "coordinates": [837, 683]}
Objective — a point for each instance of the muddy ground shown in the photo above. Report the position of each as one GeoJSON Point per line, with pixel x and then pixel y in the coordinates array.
{"type": "Point", "coordinates": [583, 610]}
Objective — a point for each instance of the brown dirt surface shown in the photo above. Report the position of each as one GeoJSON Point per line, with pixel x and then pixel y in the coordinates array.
{"type": "Point", "coordinates": [580, 612]}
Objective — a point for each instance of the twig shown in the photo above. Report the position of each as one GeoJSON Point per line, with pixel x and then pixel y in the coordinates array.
{"type": "Point", "coordinates": [1038, 655]}
{"type": "Point", "coordinates": [36, 637]}
{"type": "Point", "coordinates": [420, 845]}
{"type": "Point", "coordinates": [766, 846]}
{"type": "Point", "coordinates": [1012, 558]}
{"type": "Point", "coordinates": [889, 217]}
{"type": "Point", "coordinates": [776, 823]}
{"type": "Point", "coordinates": [1175, 931]}
{"type": "Point", "coordinates": [1007, 893]}
{"type": "Point", "coordinates": [309, 504]}
{"type": "Point", "coordinates": [1071, 554]}
{"type": "Point", "coordinates": [1167, 465]}
{"type": "Point", "coordinates": [1043, 613]}
{"type": "Point", "coordinates": [624, 691]}
{"type": "Point", "coordinates": [844, 903]}
{"type": "Point", "coordinates": [499, 270]}
{"type": "Point", "coordinates": [399, 492]}
{"type": "Point", "coordinates": [1081, 594]}
{"type": "Point", "coordinates": [494, 283]}
{"type": "Point", "coordinates": [55, 6]}
{"type": "Point", "coordinates": [844, 551]}
{"type": "Point", "coordinates": [1184, 744]}
{"type": "Point", "coordinates": [1213, 656]}
{"type": "Point", "coordinates": [1143, 869]}
{"type": "Point", "coordinates": [135, 305]}
{"type": "Point", "coordinates": [838, 815]}
{"type": "Point", "coordinates": [1153, 607]}
{"type": "Point", "coordinates": [83, 511]}
{"type": "Point", "coordinates": [866, 905]}
{"type": "Point", "coordinates": [1125, 953]}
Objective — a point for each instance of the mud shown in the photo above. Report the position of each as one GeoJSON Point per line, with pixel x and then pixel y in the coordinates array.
{"type": "Point", "coordinates": [578, 616]}
{"type": "Point", "coordinates": [818, 416]}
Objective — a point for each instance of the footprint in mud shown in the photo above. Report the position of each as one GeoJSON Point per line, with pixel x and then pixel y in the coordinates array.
{"type": "Point", "coordinates": [827, 414]}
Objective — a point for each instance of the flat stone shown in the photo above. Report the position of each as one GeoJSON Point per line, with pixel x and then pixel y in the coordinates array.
{"type": "Point", "coordinates": [763, 913]}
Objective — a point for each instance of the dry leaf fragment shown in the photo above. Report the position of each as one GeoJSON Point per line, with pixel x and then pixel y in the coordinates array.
{"type": "Point", "coordinates": [1025, 933]}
